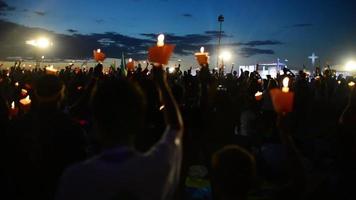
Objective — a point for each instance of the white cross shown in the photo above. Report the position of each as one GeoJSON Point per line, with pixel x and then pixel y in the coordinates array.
{"type": "Point", "coordinates": [313, 57]}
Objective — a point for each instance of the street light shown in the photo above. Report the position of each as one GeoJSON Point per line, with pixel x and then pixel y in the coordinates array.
{"type": "Point", "coordinates": [41, 44]}
{"type": "Point", "coordinates": [225, 56]}
{"type": "Point", "coordinates": [221, 19]}
{"type": "Point", "coordinates": [350, 66]}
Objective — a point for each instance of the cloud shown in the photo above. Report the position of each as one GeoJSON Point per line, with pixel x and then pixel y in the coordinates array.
{"type": "Point", "coordinates": [99, 21]}
{"type": "Point", "coordinates": [217, 33]}
{"type": "Point", "coordinates": [261, 43]}
{"type": "Point", "coordinates": [187, 15]}
{"type": "Point", "coordinates": [79, 46]}
{"type": "Point", "coordinates": [40, 13]}
{"type": "Point", "coordinates": [248, 51]}
{"type": "Point", "coordinates": [72, 30]}
{"type": "Point", "coordinates": [4, 8]}
{"type": "Point", "coordinates": [302, 25]}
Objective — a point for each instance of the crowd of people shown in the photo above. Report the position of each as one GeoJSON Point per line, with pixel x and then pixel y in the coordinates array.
{"type": "Point", "coordinates": [152, 134]}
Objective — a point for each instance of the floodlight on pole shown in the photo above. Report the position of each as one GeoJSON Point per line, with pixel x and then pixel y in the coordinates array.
{"type": "Point", "coordinates": [41, 43]}
{"type": "Point", "coordinates": [350, 66]}
{"type": "Point", "coordinates": [221, 19]}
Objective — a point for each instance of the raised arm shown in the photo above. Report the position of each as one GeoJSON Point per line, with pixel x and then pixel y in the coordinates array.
{"type": "Point", "coordinates": [296, 169]}
{"type": "Point", "coordinates": [171, 111]}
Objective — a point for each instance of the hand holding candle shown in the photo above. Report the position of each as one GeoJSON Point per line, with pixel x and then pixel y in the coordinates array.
{"type": "Point", "coordinates": [202, 57]}
{"type": "Point", "coordinates": [282, 99]}
{"type": "Point", "coordinates": [160, 54]}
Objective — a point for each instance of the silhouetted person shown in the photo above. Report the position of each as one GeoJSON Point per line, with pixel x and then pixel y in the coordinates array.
{"type": "Point", "coordinates": [46, 141]}
{"type": "Point", "coordinates": [118, 108]}
{"type": "Point", "coordinates": [233, 172]}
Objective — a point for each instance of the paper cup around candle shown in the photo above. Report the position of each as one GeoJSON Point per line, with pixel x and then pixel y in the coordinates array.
{"type": "Point", "coordinates": [13, 111]}
{"type": "Point", "coordinates": [25, 103]}
{"type": "Point", "coordinates": [160, 54]}
{"type": "Point", "coordinates": [98, 55]}
{"type": "Point", "coordinates": [282, 101]}
{"type": "Point", "coordinates": [258, 96]}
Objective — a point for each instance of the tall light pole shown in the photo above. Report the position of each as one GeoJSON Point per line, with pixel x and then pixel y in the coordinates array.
{"type": "Point", "coordinates": [221, 19]}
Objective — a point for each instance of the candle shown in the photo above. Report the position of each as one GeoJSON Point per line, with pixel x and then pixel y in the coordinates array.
{"type": "Point", "coordinates": [130, 65]}
{"type": "Point", "coordinates": [23, 92]}
{"type": "Point", "coordinates": [160, 54]}
{"type": "Point", "coordinates": [17, 84]}
{"type": "Point", "coordinates": [285, 83]}
{"type": "Point", "coordinates": [258, 96]}
{"type": "Point", "coordinates": [202, 57]}
{"type": "Point", "coordinates": [98, 55]}
{"type": "Point", "coordinates": [351, 84]}
{"type": "Point", "coordinates": [13, 110]}
{"type": "Point", "coordinates": [26, 103]}
{"type": "Point", "coordinates": [51, 70]}
{"type": "Point", "coordinates": [282, 99]}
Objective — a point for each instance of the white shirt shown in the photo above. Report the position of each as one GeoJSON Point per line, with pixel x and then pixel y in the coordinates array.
{"type": "Point", "coordinates": [153, 175]}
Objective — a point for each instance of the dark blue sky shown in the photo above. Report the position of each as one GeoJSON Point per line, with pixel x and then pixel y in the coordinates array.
{"type": "Point", "coordinates": [277, 28]}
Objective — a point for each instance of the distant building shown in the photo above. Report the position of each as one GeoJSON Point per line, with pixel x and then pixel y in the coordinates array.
{"type": "Point", "coordinates": [265, 69]}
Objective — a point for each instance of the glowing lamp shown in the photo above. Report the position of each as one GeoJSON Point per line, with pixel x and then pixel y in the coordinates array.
{"type": "Point", "coordinates": [202, 57]}
{"type": "Point", "coordinates": [17, 84]}
{"type": "Point", "coordinates": [258, 96]}
{"type": "Point", "coordinates": [282, 99]}
{"type": "Point", "coordinates": [160, 54]}
{"type": "Point", "coordinates": [98, 55]}
{"type": "Point", "coordinates": [351, 84]}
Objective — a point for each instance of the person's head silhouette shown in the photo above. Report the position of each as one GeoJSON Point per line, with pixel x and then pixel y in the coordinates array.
{"type": "Point", "coordinates": [118, 108]}
{"type": "Point", "coordinates": [233, 173]}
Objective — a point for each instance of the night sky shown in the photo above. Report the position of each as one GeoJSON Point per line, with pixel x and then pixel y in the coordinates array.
{"type": "Point", "coordinates": [255, 30]}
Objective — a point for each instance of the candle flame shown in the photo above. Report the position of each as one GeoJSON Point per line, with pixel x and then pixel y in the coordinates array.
{"type": "Point", "coordinates": [160, 40]}
{"type": "Point", "coordinates": [351, 84]}
{"type": "Point", "coordinates": [17, 84]}
{"type": "Point", "coordinates": [339, 82]}
{"type": "Point", "coordinates": [285, 82]}
{"type": "Point", "coordinates": [13, 105]}
{"type": "Point", "coordinates": [202, 50]}
{"type": "Point", "coordinates": [258, 93]}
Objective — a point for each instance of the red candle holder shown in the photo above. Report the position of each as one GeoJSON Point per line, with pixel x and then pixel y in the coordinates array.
{"type": "Point", "coordinates": [282, 101]}
{"type": "Point", "coordinates": [13, 111]}
{"type": "Point", "coordinates": [130, 65]}
{"type": "Point", "coordinates": [258, 96]}
{"type": "Point", "coordinates": [161, 53]}
{"type": "Point", "coordinates": [98, 55]}
{"type": "Point", "coordinates": [202, 57]}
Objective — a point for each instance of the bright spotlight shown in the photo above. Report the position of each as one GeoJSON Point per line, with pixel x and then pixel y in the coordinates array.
{"type": "Point", "coordinates": [225, 55]}
{"type": "Point", "coordinates": [350, 66]}
{"type": "Point", "coordinates": [41, 43]}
